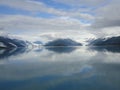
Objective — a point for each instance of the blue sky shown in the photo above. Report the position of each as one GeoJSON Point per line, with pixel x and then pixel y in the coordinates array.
{"type": "Point", "coordinates": [53, 17]}
{"type": "Point", "coordinates": [11, 10]}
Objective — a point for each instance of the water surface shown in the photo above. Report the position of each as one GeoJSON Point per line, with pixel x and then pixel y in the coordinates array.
{"type": "Point", "coordinates": [60, 68]}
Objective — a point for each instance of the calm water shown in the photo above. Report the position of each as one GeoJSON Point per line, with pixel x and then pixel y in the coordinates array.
{"type": "Point", "coordinates": [60, 68]}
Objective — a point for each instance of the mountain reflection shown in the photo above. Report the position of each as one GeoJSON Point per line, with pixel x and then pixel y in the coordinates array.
{"type": "Point", "coordinates": [61, 49]}
{"type": "Point", "coordinates": [5, 53]}
{"type": "Point", "coordinates": [113, 49]}
{"type": "Point", "coordinates": [40, 69]}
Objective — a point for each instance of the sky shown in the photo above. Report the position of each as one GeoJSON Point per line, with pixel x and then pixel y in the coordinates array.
{"type": "Point", "coordinates": [51, 19]}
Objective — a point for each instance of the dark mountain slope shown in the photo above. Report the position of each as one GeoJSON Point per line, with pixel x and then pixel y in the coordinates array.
{"type": "Point", "coordinates": [63, 42]}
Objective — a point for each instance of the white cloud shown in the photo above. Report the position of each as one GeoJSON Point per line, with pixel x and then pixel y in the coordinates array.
{"type": "Point", "coordinates": [86, 3]}
{"type": "Point", "coordinates": [34, 26]}
{"type": "Point", "coordinates": [20, 22]}
{"type": "Point", "coordinates": [34, 7]}
{"type": "Point", "coordinates": [108, 16]}
{"type": "Point", "coordinates": [106, 32]}
{"type": "Point", "coordinates": [29, 5]}
{"type": "Point", "coordinates": [106, 20]}
{"type": "Point", "coordinates": [44, 29]}
{"type": "Point", "coordinates": [79, 36]}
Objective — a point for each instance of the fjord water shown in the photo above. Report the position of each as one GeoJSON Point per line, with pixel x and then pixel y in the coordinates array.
{"type": "Point", "coordinates": [60, 68]}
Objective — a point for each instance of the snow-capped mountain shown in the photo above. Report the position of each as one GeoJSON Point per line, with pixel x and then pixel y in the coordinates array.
{"type": "Point", "coordinates": [106, 41]}
{"type": "Point", "coordinates": [8, 42]}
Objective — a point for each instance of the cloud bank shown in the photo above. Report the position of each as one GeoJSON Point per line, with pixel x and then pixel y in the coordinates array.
{"type": "Point", "coordinates": [79, 19]}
